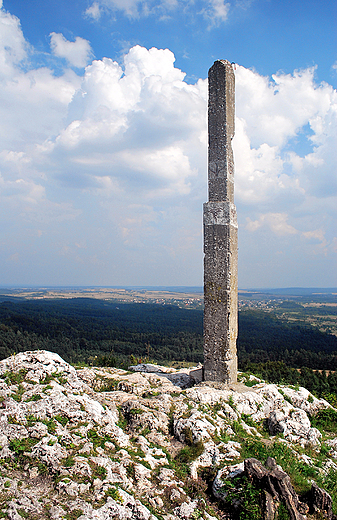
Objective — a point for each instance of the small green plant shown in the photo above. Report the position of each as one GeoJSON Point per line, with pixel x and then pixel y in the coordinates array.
{"type": "Point", "coordinates": [239, 430]}
{"type": "Point", "coordinates": [69, 461]}
{"type": "Point", "coordinates": [134, 453]}
{"type": "Point", "coordinates": [21, 445]}
{"type": "Point", "coordinates": [62, 380]}
{"type": "Point", "coordinates": [17, 396]}
{"type": "Point", "coordinates": [295, 387]}
{"type": "Point", "coordinates": [175, 394]}
{"type": "Point", "coordinates": [94, 437]}
{"type": "Point", "coordinates": [14, 378]}
{"type": "Point", "coordinates": [188, 436]}
{"type": "Point", "coordinates": [324, 451]}
{"type": "Point", "coordinates": [145, 431]}
{"type": "Point", "coordinates": [171, 419]}
{"type": "Point", "coordinates": [51, 425]}
{"type": "Point", "coordinates": [231, 402]}
{"type": "Point", "coordinates": [48, 378]}
{"type": "Point", "coordinates": [114, 493]}
{"type": "Point", "coordinates": [282, 512]}
{"type": "Point", "coordinates": [284, 395]}
{"type": "Point", "coordinates": [245, 496]}
{"type": "Point", "coordinates": [7, 484]}
{"type": "Point", "coordinates": [61, 419]}
{"type": "Point", "coordinates": [310, 398]}
{"type": "Point", "coordinates": [31, 420]}
{"type": "Point", "coordinates": [12, 420]}
{"type": "Point", "coordinates": [105, 384]}
{"type": "Point", "coordinates": [122, 422]}
{"type": "Point", "coordinates": [251, 382]}
{"type": "Point", "coordinates": [43, 468]}
{"type": "Point", "coordinates": [130, 470]}
{"type": "Point", "coordinates": [217, 407]}
{"type": "Point", "coordinates": [224, 437]}
{"type": "Point", "coordinates": [35, 397]}
{"type": "Point", "coordinates": [74, 514]}
{"type": "Point", "coordinates": [248, 420]}
{"type": "Point", "coordinates": [136, 411]}
{"type": "Point", "coordinates": [193, 449]}
{"type": "Point", "coordinates": [325, 420]}
{"type": "Point", "coordinates": [99, 472]}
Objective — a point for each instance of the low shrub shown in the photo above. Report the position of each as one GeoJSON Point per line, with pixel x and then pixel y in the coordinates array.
{"type": "Point", "coordinates": [325, 420]}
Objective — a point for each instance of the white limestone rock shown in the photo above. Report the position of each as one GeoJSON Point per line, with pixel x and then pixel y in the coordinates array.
{"type": "Point", "coordinates": [186, 509]}
{"type": "Point", "coordinates": [49, 451]}
{"type": "Point", "coordinates": [197, 423]}
{"type": "Point", "coordinates": [303, 399]}
{"type": "Point", "coordinates": [183, 378]}
{"type": "Point", "coordinates": [108, 451]}
{"type": "Point", "coordinates": [332, 443]}
{"type": "Point", "coordinates": [208, 395]}
{"type": "Point", "coordinates": [167, 478]}
{"type": "Point", "coordinates": [126, 508]}
{"type": "Point", "coordinates": [295, 426]}
{"type": "Point", "coordinates": [150, 368]}
{"type": "Point", "coordinates": [39, 364]}
{"type": "Point", "coordinates": [214, 454]}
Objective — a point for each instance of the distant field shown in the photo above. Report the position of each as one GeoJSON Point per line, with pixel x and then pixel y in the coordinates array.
{"type": "Point", "coordinates": [316, 307]}
{"type": "Point", "coordinates": [192, 298]}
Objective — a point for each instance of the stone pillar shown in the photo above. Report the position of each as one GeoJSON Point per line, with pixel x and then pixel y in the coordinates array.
{"type": "Point", "coordinates": [220, 231]}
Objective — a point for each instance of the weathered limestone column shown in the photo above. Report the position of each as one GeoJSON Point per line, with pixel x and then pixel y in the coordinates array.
{"type": "Point", "coordinates": [220, 231]}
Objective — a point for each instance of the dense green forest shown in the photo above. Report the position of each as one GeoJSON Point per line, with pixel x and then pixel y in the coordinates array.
{"type": "Point", "coordinates": [100, 332]}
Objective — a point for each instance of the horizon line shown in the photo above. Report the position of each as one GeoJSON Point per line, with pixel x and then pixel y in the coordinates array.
{"type": "Point", "coordinates": [130, 287]}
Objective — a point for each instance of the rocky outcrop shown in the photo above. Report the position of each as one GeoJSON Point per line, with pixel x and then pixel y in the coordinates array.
{"type": "Point", "coordinates": [104, 443]}
{"type": "Point", "coordinates": [294, 424]}
{"type": "Point", "coordinates": [275, 489]}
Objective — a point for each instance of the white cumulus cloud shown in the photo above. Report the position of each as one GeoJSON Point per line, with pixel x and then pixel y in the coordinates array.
{"type": "Point", "coordinates": [214, 11]}
{"type": "Point", "coordinates": [139, 125]}
{"type": "Point", "coordinates": [77, 53]}
{"type": "Point", "coordinates": [13, 47]}
{"type": "Point", "coordinates": [94, 11]}
{"type": "Point", "coordinates": [114, 157]}
{"type": "Point", "coordinates": [270, 117]}
{"type": "Point", "coordinates": [277, 222]}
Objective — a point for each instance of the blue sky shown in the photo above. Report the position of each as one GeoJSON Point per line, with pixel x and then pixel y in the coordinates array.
{"type": "Point", "coordinates": [103, 140]}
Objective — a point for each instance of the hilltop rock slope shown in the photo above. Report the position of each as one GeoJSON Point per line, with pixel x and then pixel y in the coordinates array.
{"type": "Point", "coordinates": [156, 443]}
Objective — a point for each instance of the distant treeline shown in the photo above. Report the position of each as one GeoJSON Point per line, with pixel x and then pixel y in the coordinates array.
{"type": "Point", "coordinates": [81, 329]}
{"type": "Point", "coordinates": [265, 337]}
{"type": "Point", "coordinates": [108, 333]}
